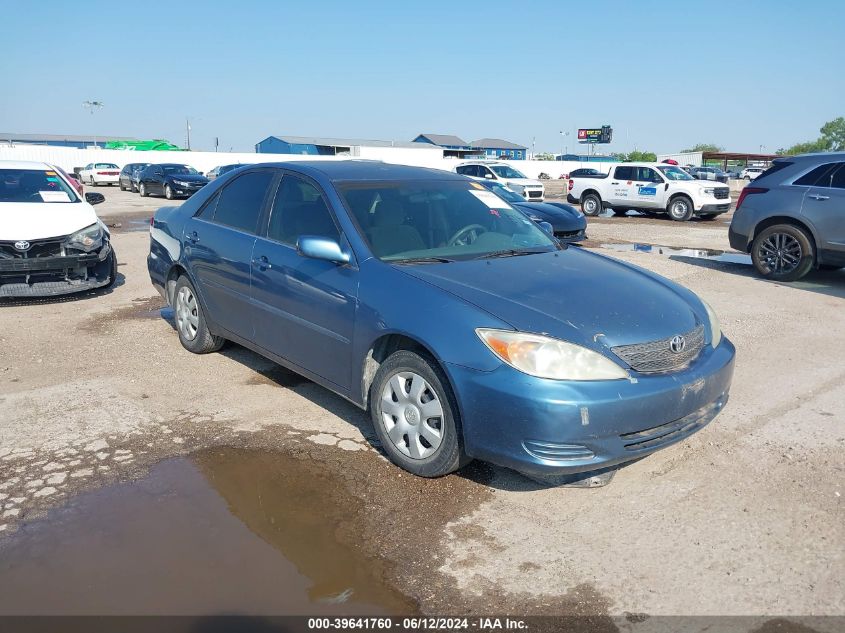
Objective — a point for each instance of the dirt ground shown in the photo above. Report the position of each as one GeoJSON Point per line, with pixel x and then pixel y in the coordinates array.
{"type": "Point", "coordinates": [744, 518]}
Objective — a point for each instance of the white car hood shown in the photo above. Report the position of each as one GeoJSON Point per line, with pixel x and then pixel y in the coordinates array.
{"type": "Point", "coordinates": [38, 220]}
{"type": "Point", "coordinates": [525, 181]}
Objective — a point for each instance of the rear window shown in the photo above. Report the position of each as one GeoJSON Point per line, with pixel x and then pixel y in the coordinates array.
{"type": "Point", "coordinates": [776, 167]}
{"type": "Point", "coordinates": [624, 173]}
{"type": "Point", "coordinates": [34, 185]}
{"type": "Point", "coordinates": [105, 166]}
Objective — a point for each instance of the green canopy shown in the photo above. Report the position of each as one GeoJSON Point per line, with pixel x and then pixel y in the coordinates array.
{"type": "Point", "coordinates": [155, 144]}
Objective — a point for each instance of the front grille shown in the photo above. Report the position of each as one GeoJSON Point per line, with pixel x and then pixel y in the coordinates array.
{"type": "Point", "coordinates": [566, 235]}
{"type": "Point", "coordinates": [39, 248]}
{"type": "Point", "coordinates": [721, 193]}
{"type": "Point", "coordinates": [535, 194]}
{"type": "Point", "coordinates": [657, 356]}
{"type": "Point", "coordinates": [674, 431]}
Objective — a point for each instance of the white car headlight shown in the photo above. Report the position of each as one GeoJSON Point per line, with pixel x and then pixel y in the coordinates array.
{"type": "Point", "coordinates": [88, 239]}
{"type": "Point", "coordinates": [710, 191]}
{"type": "Point", "coordinates": [547, 357]}
{"type": "Point", "coordinates": [715, 327]}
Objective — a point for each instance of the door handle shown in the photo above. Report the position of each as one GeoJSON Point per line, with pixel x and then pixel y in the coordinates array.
{"type": "Point", "coordinates": [193, 237]}
{"type": "Point", "coordinates": [262, 263]}
{"type": "Point", "coordinates": [818, 197]}
{"type": "Point", "coordinates": [614, 183]}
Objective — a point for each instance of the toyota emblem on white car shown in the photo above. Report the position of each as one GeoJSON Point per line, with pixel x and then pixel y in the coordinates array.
{"type": "Point", "coordinates": [22, 245]}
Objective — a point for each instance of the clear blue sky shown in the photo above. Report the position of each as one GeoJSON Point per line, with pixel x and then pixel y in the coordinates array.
{"type": "Point", "coordinates": [664, 74]}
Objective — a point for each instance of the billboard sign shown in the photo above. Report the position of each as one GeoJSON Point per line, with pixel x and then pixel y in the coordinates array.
{"type": "Point", "coordinates": [603, 134]}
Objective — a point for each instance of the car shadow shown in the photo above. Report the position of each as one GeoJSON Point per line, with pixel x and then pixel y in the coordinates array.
{"type": "Point", "coordinates": [269, 373]}
{"type": "Point", "coordinates": [83, 295]}
{"type": "Point", "coordinates": [825, 282]}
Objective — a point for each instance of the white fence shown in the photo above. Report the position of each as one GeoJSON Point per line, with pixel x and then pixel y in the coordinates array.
{"type": "Point", "coordinates": [72, 159]}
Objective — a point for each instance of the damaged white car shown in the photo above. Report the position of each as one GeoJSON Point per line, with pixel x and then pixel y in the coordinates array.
{"type": "Point", "coordinates": [51, 240]}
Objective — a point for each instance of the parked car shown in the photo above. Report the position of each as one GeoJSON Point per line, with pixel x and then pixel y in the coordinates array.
{"type": "Point", "coordinates": [76, 184]}
{"type": "Point", "coordinates": [97, 174]}
{"type": "Point", "coordinates": [568, 224]}
{"type": "Point", "coordinates": [708, 173]}
{"type": "Point", "coordinates": [750, 173]}
{"type": "Point", "coordinates": [586, 173]}
{"type": "Point", "coordinates": [51, 241]}
{"type": "Point", "coordinates": [463, 328]}
{"type": "Point", "coordinates": [128, 179]}
{"type": "Point", "coordinates": [505, 174]}
{"type": "Point", "coordinates": [651, 188]}
{"type": "Point", "coordinates": [170, 180]}
{"type": "Point", "coordinates": [792, 219]}
{"type": "Point", "coordinates": [222, 169]}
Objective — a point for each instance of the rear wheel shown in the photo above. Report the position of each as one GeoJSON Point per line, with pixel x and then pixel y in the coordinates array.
{"type": "Point", "coordinates": [120, 184]}
{"type": "Point", "coordinates": [190, 320]}
{"type": "Point", "coordinates": [591, 204]}
{"type": "Point", "coordinates": [782, 252]}
{"type": "Point", "coordinates": [168, 192]}
{"type": "Point", "coordinates": [680, 209]}
{"type": "Point", "coordinates": [415, 415]}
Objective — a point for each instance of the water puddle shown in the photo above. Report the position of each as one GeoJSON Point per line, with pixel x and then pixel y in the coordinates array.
{"type": "Point", "coordinates": [221, 531]}
{"type": "Point", "coordinates": [727, 257]}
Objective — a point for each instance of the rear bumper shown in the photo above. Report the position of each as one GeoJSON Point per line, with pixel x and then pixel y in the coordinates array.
{"type": "Point", "coordinates": [548, 427]}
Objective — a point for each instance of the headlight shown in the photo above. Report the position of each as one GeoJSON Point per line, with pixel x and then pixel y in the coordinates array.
{"type": "Point", "coordinates": [715, 328]}
{"type": "Point", "coordinates": [710, 191]}
{"type": "Point", "coordinates": [88, 239]}
{"type": "Point", "coordinates": [546, 357]}
{"type": "Point", "coordinates": [181, 183]}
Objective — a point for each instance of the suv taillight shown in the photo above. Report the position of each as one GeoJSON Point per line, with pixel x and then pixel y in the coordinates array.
{"type": "Point", "coordinates": [747, 191]}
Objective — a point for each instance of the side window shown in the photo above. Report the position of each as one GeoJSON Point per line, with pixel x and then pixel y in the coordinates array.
{"type": "Point", "coordinates": [646, 174]}
{"type": "Point", "coordinates": [207, 210]}
{"type": "Point", "coordinates": [300, 209]}
{"type": "Point", "coordinates": [240, 202]}
{"type": "Point", "coordinates": [819, 176]}
{"type": "Point", "coordinates": [837, 181]}
{"type": "Point", "coordinates": [466, 170]}
{"type": "Point", "coordinates": [624, 173]}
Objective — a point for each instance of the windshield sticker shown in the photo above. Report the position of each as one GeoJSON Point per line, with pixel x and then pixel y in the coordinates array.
{"type": "Point", "coordinates": [49, 173]}
{"type": "Point", "coordinates": [491, 199]}
{"type": "Point", "coordinates": [52, 179]}
{"type": "Point", "coordinates": [54, 196]}
{"type": "Point", "coordinates": [476, 185]}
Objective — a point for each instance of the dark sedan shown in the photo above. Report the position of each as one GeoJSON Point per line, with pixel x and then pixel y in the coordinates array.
{"type": "Point", "coordinates": [170, 180]}
{"type": "Point", "coordinates": [568, 223]}
{"type": "Point", "coordinates": [223, 169]}
{"type": "Point", "coordinates": [128, 179]}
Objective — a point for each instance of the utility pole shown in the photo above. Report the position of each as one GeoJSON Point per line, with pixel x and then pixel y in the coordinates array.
{"type": "Point", "coordinates": [188, 132]}
{"type": "Point", "coordinates": [216, 142]}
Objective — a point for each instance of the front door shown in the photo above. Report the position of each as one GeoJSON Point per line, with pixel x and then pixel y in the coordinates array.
{"type": "Point", "coordinates": [304, 309]}
{"type": "Point", "coordinates": [648, 188]}
{"type": "Point", "coordinates": [219, 244]}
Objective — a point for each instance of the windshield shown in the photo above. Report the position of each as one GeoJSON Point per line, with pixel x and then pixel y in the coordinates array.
{"type": "Point", "coordinates": [34, 185]}
{"type": "Point", "coordinates": [439, 219]}
{"type": "Point", "coordinates": [504, 171]}
{"type": "Point", "coordinates": [674, 173]}
{"type": "Point", "coordinates": [179, 169]}
{"type": "Point", "coordinates": [504, 193]}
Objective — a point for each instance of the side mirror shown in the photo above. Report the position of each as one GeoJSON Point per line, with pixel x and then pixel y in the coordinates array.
{"type": "Point", "coordinates": [324, 248]}
{"type": "Point", "coordinates": [94, 198]}
{"type": "Point", "coordinates": [488, 176]}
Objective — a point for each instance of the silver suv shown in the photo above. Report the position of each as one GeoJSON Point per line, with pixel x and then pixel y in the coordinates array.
{"type": "Point", "coordinates": [792, 218]}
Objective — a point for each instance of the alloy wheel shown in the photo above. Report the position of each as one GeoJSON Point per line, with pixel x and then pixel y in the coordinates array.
{"type": "Point", "coordinates": [412, 415]}
{"type": "Point", "coordinates": [781, 252]}
{"type": "Point", "coordinates": [187, 313]}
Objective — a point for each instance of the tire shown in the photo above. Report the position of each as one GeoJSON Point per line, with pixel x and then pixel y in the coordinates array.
{"type": "Point", "coordinates": [142, 189]}
{"type": "Point", "coordinates": [783, 252]}
{"type": "Point", "coordinates": [591, 205]}
{"type": "Point", "coordinates": [132, 187]}
{"type": "Point", "coordinates": [190, 320]}
{"type": "Point", "coordinates": [680, 209]}
{"type": "Point", "coordinates": [112, 269]}
{"type": "Point", "coordinates": [168, 192]}
{"type": "Point", "coordinates": [435, 451]}
{"type": "Point", "coordinates": [120, 184]}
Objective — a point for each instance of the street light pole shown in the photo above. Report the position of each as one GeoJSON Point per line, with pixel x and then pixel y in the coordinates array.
{"type": "Point", "coordinates": [188, 132]}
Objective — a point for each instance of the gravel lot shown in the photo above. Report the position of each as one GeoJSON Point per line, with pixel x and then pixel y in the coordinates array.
{"type": "Point", "coordinates": [745, 518]}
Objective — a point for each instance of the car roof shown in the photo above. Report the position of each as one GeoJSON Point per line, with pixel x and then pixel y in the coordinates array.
{"type": "Point", "coordinates": [23, 164]}
{"type": "Point", "coordinates": [343, 170]}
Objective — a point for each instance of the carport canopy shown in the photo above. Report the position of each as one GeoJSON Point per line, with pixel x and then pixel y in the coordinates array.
{"type": "Point", "coordinates": [738, 157]}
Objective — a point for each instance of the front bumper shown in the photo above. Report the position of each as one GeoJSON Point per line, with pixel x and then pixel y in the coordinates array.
{"type": "Point", "coordinates": [58, 275]}
{"type": "Point", "coordinates": [549, 427]}
{"type": "Point", "coordinates": [714, 209]}
{"type": "Point", "coordinates": [570, 237]}
{"type": "Point", "coordinates": [185, 192]}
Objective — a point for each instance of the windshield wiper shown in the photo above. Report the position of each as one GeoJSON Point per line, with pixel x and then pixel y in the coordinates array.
{"type": "Point", "coordinates": [423, 260]}
{"type": "Point", "coordinates": [510, 252]}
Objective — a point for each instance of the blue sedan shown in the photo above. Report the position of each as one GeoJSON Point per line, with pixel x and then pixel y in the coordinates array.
{"type": "Point", "coordinates": [568, 223]}
{"type": "Point", "coordinates": [464, 329]}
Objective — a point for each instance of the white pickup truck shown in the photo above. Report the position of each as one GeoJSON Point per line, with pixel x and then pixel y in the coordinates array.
{"type": "Point", "coordinates": [650, 188]}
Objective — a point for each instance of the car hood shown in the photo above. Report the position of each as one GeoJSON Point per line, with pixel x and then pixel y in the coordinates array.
{"type": "Point", "coordinates": [39, 220]}
{"type": "Point", "coordinates": [572, 294]}
{"type": "Point", "coordinates": [564, 217]}
{"type": "Point", "coordinates": [187, 177]}
{"type": "Point", "coordinates": [524, 181]}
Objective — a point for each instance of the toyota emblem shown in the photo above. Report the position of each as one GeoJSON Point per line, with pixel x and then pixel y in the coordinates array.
{"type": "Point", "coordinates": [22, 245]}
{"type": "Point", "coordinates": [677, 344]}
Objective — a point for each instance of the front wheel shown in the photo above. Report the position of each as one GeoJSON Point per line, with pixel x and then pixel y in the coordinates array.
{"type": "Point", "coordinates": [415, 415]}
{"type": "Point", "coordinates": [591, 204]}
{"type": "Point", "coordinates": [680, 209]}
{"type": "Point", "coordinates": [190, 320]}
{"type": "Point", "coordinates": [782, 252]}
{"type": "Point", "coordinates": [112, 268]}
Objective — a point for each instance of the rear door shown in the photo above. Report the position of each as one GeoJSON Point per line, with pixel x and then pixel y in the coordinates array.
{"type": "Point", "coordinates": [824, 207]}
{"type": "Point", "coordinates": [218, 245]}
{"type": "Point", "coordinates": [621, 189]}
{"type": "Point", "coordinates": [304, 308]}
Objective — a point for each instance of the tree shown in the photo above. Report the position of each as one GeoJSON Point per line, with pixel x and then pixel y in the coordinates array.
{"type": "Point", "coordinates": [704, 147]}
{"type": "Point", "coordinates": [834, 133]}
{"type": "Point", "coordinates": [819, 145]}
{"type": "Point", "coordinates": [637, 157]}
{"type": "Point", "coordinates": [544, 156]}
